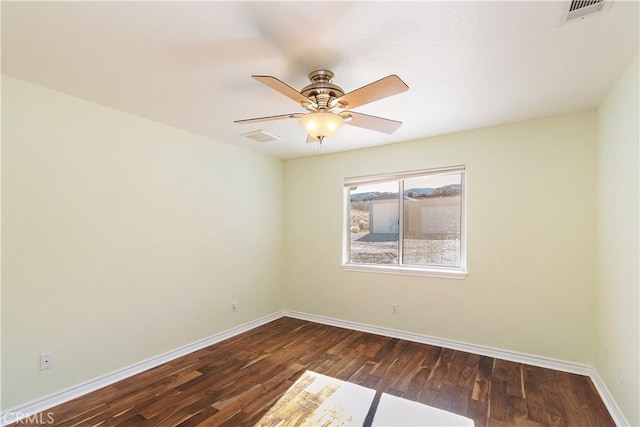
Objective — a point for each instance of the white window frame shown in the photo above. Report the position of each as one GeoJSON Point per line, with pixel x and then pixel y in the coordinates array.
{"type": "Point", "coordinates": [432, 271]}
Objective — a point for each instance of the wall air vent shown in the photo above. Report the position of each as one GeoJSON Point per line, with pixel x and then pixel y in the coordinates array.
{"type": "Point", "coordinates": [581, 8]}
{"type": "Point", "coordinates": [261, 136]}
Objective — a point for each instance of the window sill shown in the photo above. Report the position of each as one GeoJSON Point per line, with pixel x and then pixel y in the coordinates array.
{"type": "Point", "coordinates": [410, 271]}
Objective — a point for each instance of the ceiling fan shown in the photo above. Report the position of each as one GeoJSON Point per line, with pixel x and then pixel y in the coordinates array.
{"type": "Point", "coordinates": [329, 107]}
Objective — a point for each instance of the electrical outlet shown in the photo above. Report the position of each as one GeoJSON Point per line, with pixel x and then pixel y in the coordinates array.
{"type": "Point", "coordinates": [46, 361]}
{"type": "Point", "coordinates": [234, 306]}
{"type": "Point", "coordinates": [394, 308]}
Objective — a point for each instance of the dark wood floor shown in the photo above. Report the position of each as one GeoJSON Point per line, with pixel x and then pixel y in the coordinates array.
{"type": "Point", "coordinates": [235, 382]}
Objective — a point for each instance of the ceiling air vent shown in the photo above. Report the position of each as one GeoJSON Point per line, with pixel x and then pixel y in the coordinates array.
{"type": "Point", "coordinates": [261, 136]}
{"type": "Point", "coordinates": [582, 8]}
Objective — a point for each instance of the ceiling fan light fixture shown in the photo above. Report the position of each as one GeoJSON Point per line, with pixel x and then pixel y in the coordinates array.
{"type": "Point", "coordinates": [320, 124]}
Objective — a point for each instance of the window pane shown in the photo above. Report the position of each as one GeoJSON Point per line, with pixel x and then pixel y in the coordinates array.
{"type": "Point", "coordinates": [373, 210]}
{"type": "Point", "coordinates": [432, 220]}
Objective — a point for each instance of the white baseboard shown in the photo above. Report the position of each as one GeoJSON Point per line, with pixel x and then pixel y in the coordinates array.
{"type": "Point", "coordinates": [40, 405]}
{"type": "Point", "coordinates": [543, 362]}
{"type": "Point", "coordinates": [514, 356]}
{"type": "Point", "coordinates": [30, 409]}
{"type": "Point", "coordinates": [608, 400]}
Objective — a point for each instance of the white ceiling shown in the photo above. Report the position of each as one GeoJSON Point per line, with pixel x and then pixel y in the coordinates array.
{"type": "Point", "coordinates": [188, 64]}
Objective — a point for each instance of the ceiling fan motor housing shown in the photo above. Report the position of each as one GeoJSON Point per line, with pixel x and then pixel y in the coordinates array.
{"type": "Point", "coordinates": [321, 90]}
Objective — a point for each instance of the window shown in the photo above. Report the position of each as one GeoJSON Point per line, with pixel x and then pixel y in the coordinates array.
{"type": "Point", "coordinates": [411, 223]}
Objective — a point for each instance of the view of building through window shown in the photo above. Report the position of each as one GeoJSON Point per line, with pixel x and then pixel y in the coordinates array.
{"type": "Point", "coordinates": [374, 224]}
{"type": "Point", "coordinates": [431, 230]}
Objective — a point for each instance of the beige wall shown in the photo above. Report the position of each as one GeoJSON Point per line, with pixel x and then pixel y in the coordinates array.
{"type": "Point", "coordinates": [618, 188]}
{"type": "Point", "coordinates": [123, 239]}
{"type": "Point", "coordinates": [530, 216]}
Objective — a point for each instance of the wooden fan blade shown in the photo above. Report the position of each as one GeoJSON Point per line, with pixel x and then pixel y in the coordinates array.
{"type": "Point", "coordinates": [390, 85]}
{"type": "Point", "coordinates": [284, 89]}
{"type": "Point", "coordinates": [378, 124]}
{"type": "Point", "coordinates": [268, 118]}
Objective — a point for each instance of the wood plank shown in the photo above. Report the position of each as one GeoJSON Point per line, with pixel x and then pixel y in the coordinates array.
{"type": "Point", "coordinates": [511, 373]}
{"type": "Point", "coordinates": [441, 369]}
{"type": "Point", "coordinates": [498, 401]}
